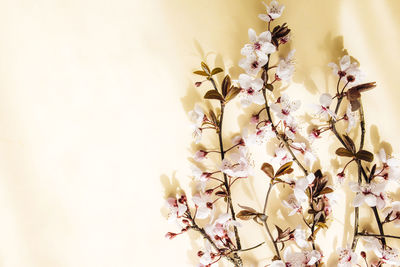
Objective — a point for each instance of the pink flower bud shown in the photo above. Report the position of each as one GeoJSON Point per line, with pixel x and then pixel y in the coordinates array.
{"type": "Point", "coordinates": [340, 177]}
{"type": "Point", "coordinates": [170, 235]}
{"type": "Point", "coordinates": [363, 254]}
{"type": "Point", "coordinates": [255, 119]}
{"type": "Point", "coordinates": [197, 84]}
{"type": "Point", "coordinates": [200, 155]}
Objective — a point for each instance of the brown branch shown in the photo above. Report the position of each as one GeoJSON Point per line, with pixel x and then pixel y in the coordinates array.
{"type": "Point", "coordinates": [266, 224]}
{"type": "Point", "coordinates": [226, 183]}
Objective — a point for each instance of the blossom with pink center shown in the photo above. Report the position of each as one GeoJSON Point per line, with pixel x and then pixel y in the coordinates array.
{"type": "Point", "coordinates": [237, 164]}
{"type": "Point", "coordinates": [347, 258]}
{"type": "Point", "coordinates": [281, 156]}
{"type": "Point", "coordinates": [262, 135]}
{"type": "Point", "coordinates": [292, 204]}
{"type": "Point", "coordinates": [285, 68]}
{"type": "Point", "coordinates": [176, 209]}
{"type": "Point", "coordinates": [385, 254]}
{"type": "Point", "coordinates": [201, 177]}
{"type": "Point", "coordinates": [372, 194]}
{"type": "Point", "coordinates": [260, 45]}
{"type": "Point", "coordinates": [251, 90]}
{"type": "Point", "coordinates": [393, 213]}
{"type": "Point", "coordinates": [347, 71]}
{"type": "Point", "coordinates": [322, 110]}
{"type": "Point", "coordinates": [203, 204]}
{"type": "Point", "coordinates": [253, 64]}
{"type": "Point", "coordinates": [391, 167]}
{"type": "Point", "coordinates": [200, 155]}
{"type": "Point", "coordinates": [284, 107]}
{"type": "Point", "coordinates": [291, 128]}
{"type": "Point", "coordinates": [197, 117]}
{"type": "Point", "coordinates": [221, 231]}
{"type": "Point", "coordinates": [309, 157]}
{"type": "Point", "coordinates": [274, 11]}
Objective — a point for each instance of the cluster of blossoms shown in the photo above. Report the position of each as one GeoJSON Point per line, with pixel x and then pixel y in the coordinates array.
{"type": "Point", "coordinates": [311, 194]}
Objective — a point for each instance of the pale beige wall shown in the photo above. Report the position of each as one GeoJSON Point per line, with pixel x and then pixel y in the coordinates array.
{"type": "Point", "coordinates": [93, 126]}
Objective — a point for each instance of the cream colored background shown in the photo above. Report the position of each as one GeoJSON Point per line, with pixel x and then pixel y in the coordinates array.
{"type": "Point", "coordinates": [93, 126]}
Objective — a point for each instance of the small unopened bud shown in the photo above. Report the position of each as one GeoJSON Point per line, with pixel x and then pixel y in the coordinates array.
{"type": "Point", "coordinates": [255, 119]}
{"type": "Point", "coordinates": [209, 191]}
{"type": "Point", "coordinates": [200, 155]}
{"type": "Point", "coordinates": [170, 235]}
{"type": "Point", "coordinates": [363, 254]}
{"type": "Point", "coordinates": [184, 221]}
{"type": "Point", "coordinates": [341, 73]}
{"type": "Point", "coordinates": [197, 84]}
{"type": "Point", "coordinates": [200, 253]}
{"type": "Point", "coordinates": [209, 205]}
{"type": "Point", "coordinates": [351, 78]}
{"type": "Point", "coordinates": [340, 177]}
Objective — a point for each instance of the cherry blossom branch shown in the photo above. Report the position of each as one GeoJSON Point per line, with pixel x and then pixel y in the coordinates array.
{"type": "Point", "coordinates": [378, 236]}
{"type": "Point", "coordinates": [226, 183]}
{"type": "Point", "coordinates": [264, 220]}
{"type": "Point", "coordinates": [278, 135]}
{"type": "Point", "coordinates": [360, 168]}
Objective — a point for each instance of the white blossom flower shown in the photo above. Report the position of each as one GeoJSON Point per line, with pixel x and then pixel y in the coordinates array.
{"type": "Point", "coordinates": [350, 118]}
{"type": "Point", "coordinates": [207, 256]}
{"type": "Point", "coordinates": [200, 155]}
{"type": "Point", "coordinates": [323, 110]}
{"type": "Point", "coordinates": [394, 212]}
{"type": "Point", "coordinates": [347, 258]}
{"type": "Point", "coordinates": [386, 254]}
{"type": "Point", "coordinates": [391, 167]}
{"type": "Point", "coordinates": [251, 90]}
{"type": "Point", "coordinates": [197, 116]}
{"type": "Point", "coordinates": [348, 70]}
{"type": "Point", "coordinates": [291, 128]}
{"type": "Point", "coordinates": [200, 176]}
{"type": "Point", "coordinates": [274, 11]}
{"type": "Point", "coordinates": [236, 165]}
{"type": "Point", "coordinates": [309, 157]}
{"type": "Point", "coordinates": [281, 156]}
{"type": "Point", "coordinates": [204, 205]}
{"type": "Point", "coordinates": [292, 204]}
{"type": "Point", "coordinates": [284, 107]}
{"type": "Point", "coordinates": [253, 64]}
{"type": "Point", "coordinates": [285, 68]}
{"type": "Point", "coordinates": [299, 259]}
{"type": "Point", "coordinates": [301, 186]}
{"type": "Point", "coordinates": [260, 45]}
{"type": "Point", "coordinates": [221, 231]}
{"type": "Point", "coordinates": [262, 135]}
{"type": "Point", "coordinates": [176, 209]}
{"type": "Point", "coordinates": [300, 237]}
{"type": "Point", "coordinates": [372, 194]}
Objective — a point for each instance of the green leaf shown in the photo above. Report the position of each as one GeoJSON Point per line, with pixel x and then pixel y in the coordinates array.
{"type": "Point", "coordinates": [285, 168]}
{"type": "Point", "coordinates": [226, 85]}
{"type": "Point", "coordinates": [268, 169]}
{"type": "Point", "coordinates": [200, 72]}
{"type": "Point", "coordinates": [343, 152]}
{"type": "Point", "coordinates": [233, 92]}
{"type": "Point", "coordinates": [365, 155]}
{"type": "Point", "coordinates": [216, 71]}
{"type": "Point", "coordinates": [205, 68]}
{"type": "Point", "coordinates": [214, 94]}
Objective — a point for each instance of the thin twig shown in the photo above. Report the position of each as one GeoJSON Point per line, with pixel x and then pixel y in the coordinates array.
{"type": "Point", "coordinates": [265, 221]}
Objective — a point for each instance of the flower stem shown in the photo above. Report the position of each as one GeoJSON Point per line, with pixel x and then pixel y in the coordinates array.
{"type": "Point", "coordinates": [226, 183]}
{"type": "Point", "coordinates": [360, 171]}
{"type": "Point", "coordinates": [266, 224]}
